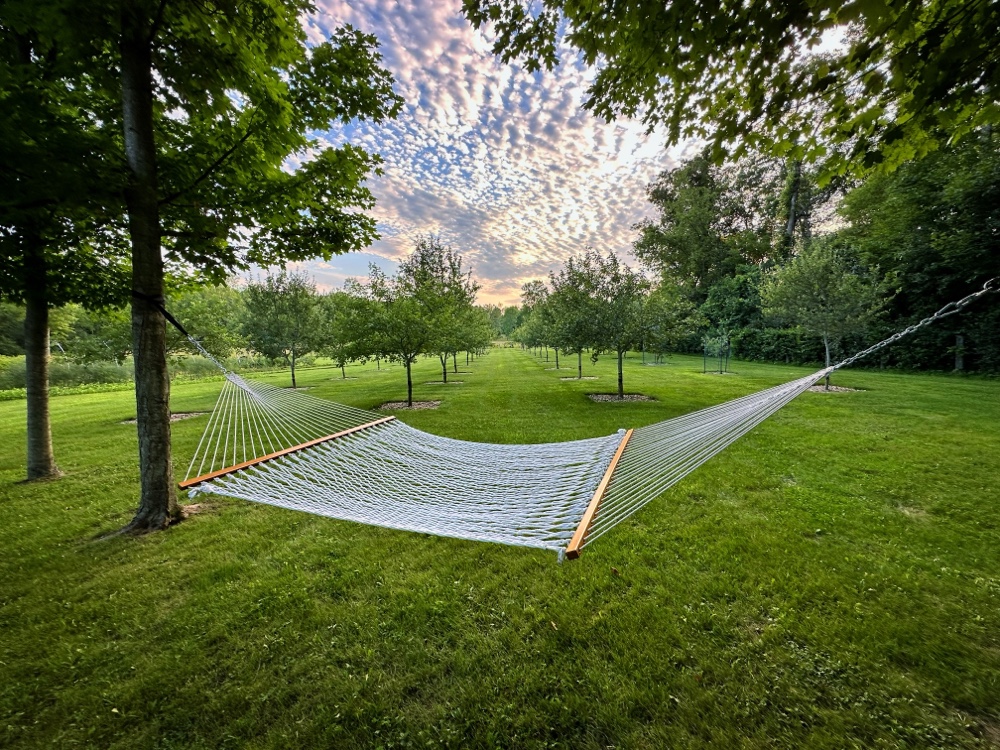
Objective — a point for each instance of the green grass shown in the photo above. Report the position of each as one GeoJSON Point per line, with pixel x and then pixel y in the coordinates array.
{"type": "Point", "coordinates": [830, 581]}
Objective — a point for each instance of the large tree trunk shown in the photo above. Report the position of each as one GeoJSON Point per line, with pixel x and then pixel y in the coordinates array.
{"type": "Point", "coordinates": [409, 384]}
{"type": "Point", "coordinates": [621, 381]}
{"type": "Point", "coordinates": [158, 497]}
{"type": "Point", "coordinates": [41, 462]}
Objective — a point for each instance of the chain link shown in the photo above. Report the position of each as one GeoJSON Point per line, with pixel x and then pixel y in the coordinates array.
{"type": "Point", "coordinates": [950, 309]}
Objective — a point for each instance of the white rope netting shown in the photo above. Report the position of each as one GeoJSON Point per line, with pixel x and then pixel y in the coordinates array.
{"type": "Point", "coordinates": [386, 473]}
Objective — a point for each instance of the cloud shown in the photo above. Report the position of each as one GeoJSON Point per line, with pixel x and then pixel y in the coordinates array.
{"type": "Point", "coordinates": [504, 164]}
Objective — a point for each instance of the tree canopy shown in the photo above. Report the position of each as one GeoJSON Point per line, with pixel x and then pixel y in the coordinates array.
{"type": "Point", "coordinates": [911, 75]}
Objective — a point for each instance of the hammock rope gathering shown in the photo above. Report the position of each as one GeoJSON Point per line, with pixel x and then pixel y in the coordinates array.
{"type": "Point", "coordinates": [286, 448]}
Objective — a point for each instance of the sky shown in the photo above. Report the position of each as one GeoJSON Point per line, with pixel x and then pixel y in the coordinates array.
{"type": "Point", "coordinates": [505, 165]}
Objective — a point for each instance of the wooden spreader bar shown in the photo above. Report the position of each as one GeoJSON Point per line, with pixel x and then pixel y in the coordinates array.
{"type": "Point", "coordinates": [277, 454]}
{"type": "Point", "coordinates": [576, 543]}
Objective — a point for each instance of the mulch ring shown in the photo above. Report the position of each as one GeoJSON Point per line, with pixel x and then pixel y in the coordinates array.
{"type": "Point", "coordinates": [173, 417]}
{"type": "Point", "coordinates": [401, 405]}
{"type": "Point", "coordinates": [833, 389]}
{"type": "Point", "coordinates": [613, 397]}
{"type": "Point", "coordinates": [585, 377]}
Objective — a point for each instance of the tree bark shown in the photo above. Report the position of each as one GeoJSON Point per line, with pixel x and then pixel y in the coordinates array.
{"type": "Point", "coordinates": [826, 344]}
{"type": "Point", "coordinates": [409, 384]}
{"type": "Point", "coordinates": [579, 365]}
{"type": "Point", "coordinates": [444, 368]}
{"type": "Point", "coordinates": [158, 496]}
{"type": "Point", "coordinates": [293, 368]}
{"type": "Point", "coordinates": [792, 200]}
{"type": "Point", "coordinates": [343, 372]}
{"type": "Point", "coordinates": [621, 381]}
{"type": "Point", "coordinates": [41, 462]}
{"type": "Point", "coordinates": [454, 361]}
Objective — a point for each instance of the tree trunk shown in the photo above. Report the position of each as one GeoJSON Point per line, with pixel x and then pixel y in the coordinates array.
{"type": "Point", "coordinates": [826, 345]}
{"type": "Point", "coordinates": [466, 357]}
{"type": "Point", "coordinates": [409, 384]}
{"type": "Point", "coordinates": [343, 372]}
{"type": "Point", "coordinates": [792, 200]}
{"type": "Point", "coordinates": [378, 363]}
{"type": "Point", "coordinates": [158, 497]}
{"type": "Point", "coordinates": [454, 361]}
{"type": "Point", "coordinates": [293, 368]}
{"type": "Point", "coordinates": [546, 352]}
{"type": "Point", "coordinates": [557, 358]}
{"type": "Point", "coordinates": [41, 462]}
{"type": "Point", "coordinates": [444, 368]}
{"type": "Point", "coordinates": [621, 385]}
{"type": "Point", "coordinates": [579, 365]}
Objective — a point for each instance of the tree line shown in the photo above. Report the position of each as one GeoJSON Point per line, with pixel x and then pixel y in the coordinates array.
{"type": "Point", "coordinates": [426, 308]}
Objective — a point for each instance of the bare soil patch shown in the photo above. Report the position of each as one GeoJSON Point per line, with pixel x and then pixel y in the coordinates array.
{"type": "Point", "coordinates": [401, 405]}
{"type": "Point", "coordinates": [194, 509]}
{"type": "Point", "coordinates": [833, 389]}
{"type": "Point", "coordinates": [173, 417]}
{"type": "Point", "coordinates": [613, 397]}
{"type": "Point", "coordinates": [585, 377]}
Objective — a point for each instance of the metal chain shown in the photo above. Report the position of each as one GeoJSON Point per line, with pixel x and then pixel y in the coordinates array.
{"type": "Point", "coordinates": [950, 309]}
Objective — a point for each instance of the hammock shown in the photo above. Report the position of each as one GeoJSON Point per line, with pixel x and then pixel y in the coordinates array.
{"type": "Point", "coordinates": [285, 448]}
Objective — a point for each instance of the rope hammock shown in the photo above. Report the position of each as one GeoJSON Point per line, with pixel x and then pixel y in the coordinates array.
{"type": "Point", "coordinates": [285, 448]}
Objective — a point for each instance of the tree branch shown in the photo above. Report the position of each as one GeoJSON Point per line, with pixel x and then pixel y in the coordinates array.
{"type": "Point", "coordinates": [211, 167]}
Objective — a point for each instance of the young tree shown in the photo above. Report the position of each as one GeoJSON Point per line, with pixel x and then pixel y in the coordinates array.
{"type": "Point", "coordinates": [571, 306]}
{"type": "Point", "coordinates": [281, 319]}
{"type": "Point", "coordinates": [212, 314]}
{"type": "Point", "coordinates": [205, 104]}
{"type": "Point", "coordinates": [821, 291]}
{"type": "Point", "coordinates": [411, 309]}
{"type": "Point", "coordinates": [617, 295]}
{"type": "Point", "coordinates": [341, 326]}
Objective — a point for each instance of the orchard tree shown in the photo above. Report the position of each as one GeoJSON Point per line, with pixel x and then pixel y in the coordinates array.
{"type": "Point", "coordinates": [409, 307]}
{"type": "Point", "coordinates": [281, 318]}
{"type": "Point", "coordinates": [667, 318]}
{"type": "Point", "coordinates": [908, 77]}
{"type": "Point", "coordinates": [213, 314]}
{"type": "Point", "coordinates": [201, 105]}
{"type": "Point", "coordinates": [572, 308]}
{"type": "Point", "coordinates": [340, 321]}
{"type": "Point", "coordinates": [617, 296]}
{"type": "Point", "coordinates": [821, 291]}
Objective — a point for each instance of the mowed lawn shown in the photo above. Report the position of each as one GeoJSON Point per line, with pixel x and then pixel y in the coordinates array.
{"type": "Point", "coordinates": [830, 581]}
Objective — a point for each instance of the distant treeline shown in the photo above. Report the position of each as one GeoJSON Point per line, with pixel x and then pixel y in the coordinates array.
{"type": "Point", "coordinates": [780, 266]}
